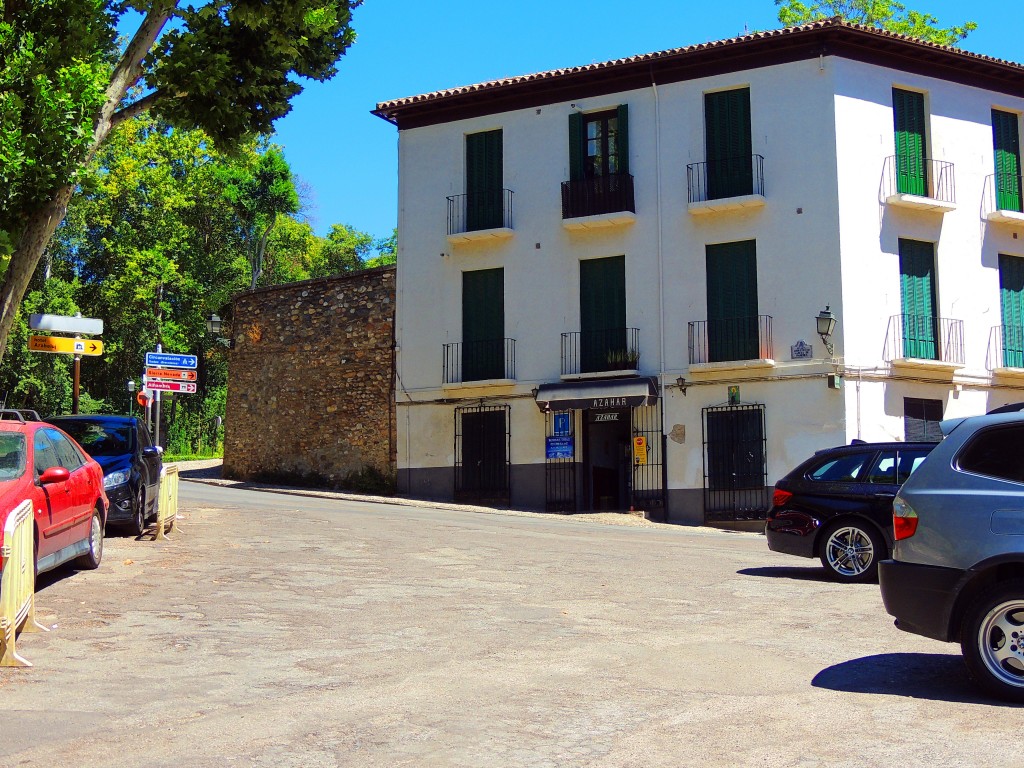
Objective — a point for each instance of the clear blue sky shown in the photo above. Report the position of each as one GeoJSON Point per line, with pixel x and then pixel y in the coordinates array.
{"type": "Point", "coordinates": [405, 47]}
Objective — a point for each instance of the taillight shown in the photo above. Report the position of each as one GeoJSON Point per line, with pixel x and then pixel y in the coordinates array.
{"type": "Point", "coordinates": [904, 519]}
{"type": "Point", "coordinates": [780, 497]}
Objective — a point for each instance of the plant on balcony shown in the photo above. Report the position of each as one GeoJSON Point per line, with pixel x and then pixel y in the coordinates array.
{"type": "Point", "coordinates": [623, 359]}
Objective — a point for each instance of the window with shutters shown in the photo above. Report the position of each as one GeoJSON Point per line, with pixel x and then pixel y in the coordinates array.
{"type": "Point", "coordinates": [921, 419]}
{"type": "Point", "coordinates": [1011, 299]}
{"type": "Point", "coordinates": [483, 325]}
{"type": "Point", "coordinates": [484, 197]}
{"type": "Point", "coordinates": [604, 343]}
{"type": "Point", "coordinates": [728, 145]}
{"type": "Point", "coordinates": [1006, 143]}
{"type": "Point", "coordinates": [732, 324]}
{"type": "Point", "coordinates": [909, 123]}
{"type": "Point", "coordinates": [599, 179]}
{"type": "Point", "coordinates": [917, 295]}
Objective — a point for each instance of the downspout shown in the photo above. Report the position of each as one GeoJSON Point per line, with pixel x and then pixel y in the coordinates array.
{"type": "Point", "coordinates": [661, 298]}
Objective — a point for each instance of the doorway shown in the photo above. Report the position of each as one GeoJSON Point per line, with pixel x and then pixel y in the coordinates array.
{"type": "Point", "coordinates": [607, 457]}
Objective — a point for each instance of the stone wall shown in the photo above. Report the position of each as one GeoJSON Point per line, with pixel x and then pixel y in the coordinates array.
{"type": "Point", "coordinates": [311, 379]}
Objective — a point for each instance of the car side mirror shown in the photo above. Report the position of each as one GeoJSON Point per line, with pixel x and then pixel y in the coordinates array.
{"type": "Point", "coordinates": [54, 475]}
{"type": "Point", "coordinates": [151, 450]}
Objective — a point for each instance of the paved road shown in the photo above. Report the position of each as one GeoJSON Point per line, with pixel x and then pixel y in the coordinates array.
{"type": "Point", "coordinates": [283, 631]}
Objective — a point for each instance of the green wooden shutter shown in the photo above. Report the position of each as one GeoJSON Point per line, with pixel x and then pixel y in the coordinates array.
{"type": "Point", "coordinates": [909, 123]}
{"type": "Point", "coordinates": [622, 139]}
{"type": "Point", "coordinates": [732, 326]}
{"type": "Point", "coordinates": [1006, 141]}
{"type": "Point", "coordinates": [483, 324]}
{"type": "Point", "coordinates": [484, 160]}
{"type": "Point", "coordinates": [917, 292]}
{"type": "Point", "coordinates": [729, 148]}
{"type": "Point", "coordinates": [1011, 290]}
{"type": "Point", "coordinates": [602, 314]}
{"type": "Point", "coordinates": [576, 146]}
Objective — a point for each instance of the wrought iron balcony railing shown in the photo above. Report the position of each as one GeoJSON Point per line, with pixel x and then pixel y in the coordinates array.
{"type": "Point", "coordinates": [1003, 193]}
{"type": "Point", "coordinates": [922, 177]}
{"type": "Point", "coordinates": [614, 349]}
{"type": "Point", "coordinates": [481, 210]}
{"type": "Point", "coordinates": [731, 177]}
{"type": "Point", "coordinates": [597, 195]}
{"type": "Point", "coordinates": [731, 339]}
{"type": "Point", "coordinates": [479, 360]}
{"type": "Point", "coordinates": [925, 337]}
{"type": "Point", "coordinates": [1005, 347]}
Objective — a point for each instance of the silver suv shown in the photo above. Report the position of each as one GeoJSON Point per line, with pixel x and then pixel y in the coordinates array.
{"type": "Point", "coordinates": [957, 572]}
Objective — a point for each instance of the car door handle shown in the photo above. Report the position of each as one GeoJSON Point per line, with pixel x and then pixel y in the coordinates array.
{"type": "Point", "coordinates": [885, 495]}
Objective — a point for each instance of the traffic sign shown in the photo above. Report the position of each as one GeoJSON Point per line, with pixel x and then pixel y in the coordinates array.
{"type": "Point", "coordinates": [172, 386]}
{"type": "Point", "coordinates": [63, 345]}
{"type": "Point", "coordinates": [91, 326]}
{"type": "Point", "coordinates": [164, 360]}
{"type": "Point", "coordinates": [170, 374]}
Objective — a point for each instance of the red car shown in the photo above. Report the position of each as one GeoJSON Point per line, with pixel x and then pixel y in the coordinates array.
{"type": "Point", "coordinates": [41, 463]}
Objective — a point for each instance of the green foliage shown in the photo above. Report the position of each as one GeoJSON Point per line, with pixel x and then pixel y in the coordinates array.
{"type": "Point", "coordinates": [886, 14]}
{"type": "Point", "coordinates": [343, 251]}
{"type": "Point", "coordinates": [387, 251]}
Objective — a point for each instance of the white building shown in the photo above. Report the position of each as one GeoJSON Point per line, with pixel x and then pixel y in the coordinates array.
{"type": "Point", "coordinates": [610, 276]}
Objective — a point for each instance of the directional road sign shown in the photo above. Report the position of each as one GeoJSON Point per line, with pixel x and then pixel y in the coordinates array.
{"type": "Point", "coordinates": [170, 374]}
{"type": "Point", "coordinates": [172, 386]}
{"type": "Point", "coordinates": [165, 360]}
{"type": "Point", "coordinates": [91, 326]}
{"type": "Point", "coordinates": [62, 345]}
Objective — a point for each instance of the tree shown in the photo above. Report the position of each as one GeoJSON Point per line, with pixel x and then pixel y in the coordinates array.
{"type": "Point", "coordinates": [886, 14]}
{"type": "Point", "coordinates": [344, 250]}
{"type": "Point", "coordinates": [387, 251]}
{"type": "Point", "coordinates": [228, 67]}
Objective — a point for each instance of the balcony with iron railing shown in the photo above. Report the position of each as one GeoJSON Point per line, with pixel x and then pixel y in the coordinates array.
{"type": "Point", "coordinates": [614, 351]}
{"type": "Point", "coordinates": [735, 342]}
{"type": "Point", "coordinates": [1006, 350]}
{"type": "Point", "coordinates": [723, 185]}
{"type": "Point", "coordinates": [491, 361]}
{"type": "Point", "coordinates": [598, 201]}
{"type": "Point", "coordinates": [919, 183]}
{"type": "Point", "coordinates": [925, 341]}
{"type": "Point", "coordinates": [1003, 201]}
{"type": "Point", "coordinates": [480, 216]}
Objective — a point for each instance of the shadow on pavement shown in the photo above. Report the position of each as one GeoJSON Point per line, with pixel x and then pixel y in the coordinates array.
{"type": "Point", "coordinates": [934, 676]}
{"type": "Point", "coordinates": [810, 573]}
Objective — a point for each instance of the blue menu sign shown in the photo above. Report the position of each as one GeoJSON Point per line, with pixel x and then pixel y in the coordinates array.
{"type": "Point", "coordinates": [163, 360]}
{"type": "Point", "coordinates": [559, 447]}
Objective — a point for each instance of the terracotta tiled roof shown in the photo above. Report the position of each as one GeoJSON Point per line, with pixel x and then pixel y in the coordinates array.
{"type": "Point", "coordinates": [388, 109]}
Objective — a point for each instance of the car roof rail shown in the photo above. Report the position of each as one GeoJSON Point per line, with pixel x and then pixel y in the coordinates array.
{"type": "Point", "coordinates": [29, 415]}
{"type": "Point", "coordinates": [12, 414]}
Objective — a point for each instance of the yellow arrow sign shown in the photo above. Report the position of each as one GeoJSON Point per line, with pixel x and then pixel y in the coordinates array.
{"type": "Point", "coordinates": [62, 345]}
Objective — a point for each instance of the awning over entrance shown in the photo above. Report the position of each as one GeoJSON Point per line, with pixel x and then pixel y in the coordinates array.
{"type": "Point", "coordinates": [597, 393]}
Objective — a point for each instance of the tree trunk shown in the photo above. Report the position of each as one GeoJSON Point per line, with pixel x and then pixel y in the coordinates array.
{"type": "Point", "coordinates": [31, 245]}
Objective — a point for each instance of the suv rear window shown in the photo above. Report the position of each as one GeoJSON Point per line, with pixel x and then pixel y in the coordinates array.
{"type": "Point", "coordinates": [995, 453]}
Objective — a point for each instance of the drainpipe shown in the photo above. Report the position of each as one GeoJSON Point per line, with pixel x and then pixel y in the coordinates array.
{"type": "Point", "coordinates": [661, 297]}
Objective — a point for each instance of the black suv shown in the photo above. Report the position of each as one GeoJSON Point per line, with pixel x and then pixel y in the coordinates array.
{"type": "Point", "coordinates": [837, 506]}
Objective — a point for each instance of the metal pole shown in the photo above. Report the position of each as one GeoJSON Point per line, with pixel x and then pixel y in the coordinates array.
{"type": "Point", "coordinates": [156, 400]}
{"type": "Point", "coordinates": [74, 388]}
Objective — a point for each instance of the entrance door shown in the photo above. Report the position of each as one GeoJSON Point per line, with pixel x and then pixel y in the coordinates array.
{"type": "Point", "coordinates": [608, 457]}
{"type": "Point", "coordinates": [735, 470]}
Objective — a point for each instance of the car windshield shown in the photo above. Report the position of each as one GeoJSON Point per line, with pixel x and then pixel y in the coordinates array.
{"type": "Point", "coordinates": [100, 439]}
{"type": "Point", "coordinates": [12, 455]}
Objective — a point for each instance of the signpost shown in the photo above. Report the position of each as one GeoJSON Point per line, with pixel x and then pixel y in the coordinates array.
{"type": "Point", "coordinates": [170, 374]}
{"type": "Point", "coordinates": [65, 345]}
{"type": "Point", "coordinates": [171, 386]}
{"type": "Point", "coordinates": [163, 360]}
{"type": "Point", "coordinates": [90, 326]}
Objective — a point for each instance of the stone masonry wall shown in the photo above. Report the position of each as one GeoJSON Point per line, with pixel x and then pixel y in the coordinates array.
{"type": "Point", "coordinates": [311, 378]}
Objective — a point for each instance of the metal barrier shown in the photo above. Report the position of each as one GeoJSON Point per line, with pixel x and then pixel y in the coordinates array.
{"type": "Point", "coordinates": [17, 584]}
{"type": "Point", "coordinates": [167, 505]}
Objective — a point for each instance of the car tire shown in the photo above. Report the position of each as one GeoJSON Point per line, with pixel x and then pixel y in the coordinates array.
{"type": "Point", "coordinates": [91, 559]}
{"type": "Point", "coordinates": [851, 551]}
{"type": "Point", "coordinates": [138, 526]}
{"type": "Point", "coordinates": [992, 640]}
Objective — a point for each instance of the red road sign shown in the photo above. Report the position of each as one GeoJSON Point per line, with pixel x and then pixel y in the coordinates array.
{"type": "Point", "coordinates": [171, 386]}
{"type": "Point", "coordinates": [170, 374]}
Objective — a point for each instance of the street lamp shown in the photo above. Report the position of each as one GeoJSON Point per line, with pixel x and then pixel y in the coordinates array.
{"type": "Point", "coordinates": [131, 389]}
{"type": "Point", "coordinates": [826, 324]}
{"type": "Point", "coordinates": [214, 325]}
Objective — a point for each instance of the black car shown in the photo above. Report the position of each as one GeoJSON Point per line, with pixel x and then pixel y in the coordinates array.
{"type": "Point", "coordinates": [131, 464]}
{"type": "Point", "coordinates": [837, 506]}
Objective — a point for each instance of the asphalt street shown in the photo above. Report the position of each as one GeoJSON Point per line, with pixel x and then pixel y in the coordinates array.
{"type": "Point", "coordinates": [278, 630]}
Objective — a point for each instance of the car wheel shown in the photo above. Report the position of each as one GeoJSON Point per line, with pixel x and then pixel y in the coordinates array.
{"type": "Point", "coordinates": [992, 640]}
{"type": "Point", "coordinates": [850, 552]}
{"type": "Point", "coordinates": [91, 559]}
{"type": "Point", "coordinates": [139, 512]}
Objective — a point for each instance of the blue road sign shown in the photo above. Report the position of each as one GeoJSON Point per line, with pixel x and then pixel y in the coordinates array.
{"type": "Point", "coordinates": [164, 360]}
{"type": "Point", "coordinates": [561, 428]}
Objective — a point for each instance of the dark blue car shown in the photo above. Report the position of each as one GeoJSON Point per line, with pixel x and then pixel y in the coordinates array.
{"type": "Point", "coordinates": [131, 464]}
